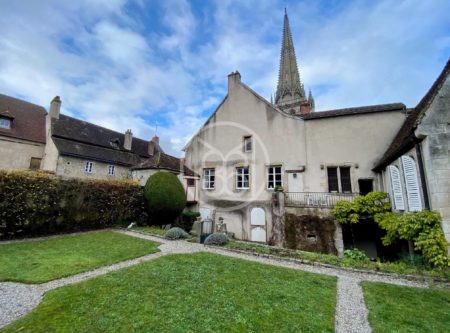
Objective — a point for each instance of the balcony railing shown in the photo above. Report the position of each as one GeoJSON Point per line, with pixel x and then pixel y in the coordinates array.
{"type": "Point", "coordinates": [316, 199]}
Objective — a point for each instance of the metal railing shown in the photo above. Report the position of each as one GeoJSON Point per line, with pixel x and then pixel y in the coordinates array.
{"type": "Point", "coordinates": [316, 199]}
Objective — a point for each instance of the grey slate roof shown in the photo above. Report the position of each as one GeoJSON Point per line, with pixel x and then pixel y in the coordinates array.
{"type": "Point", "coordinates": [78, 130]}
{"type": "Point", "coordinates": [355, 110]}
{"type": "Point", "coordinates": [78, 138]}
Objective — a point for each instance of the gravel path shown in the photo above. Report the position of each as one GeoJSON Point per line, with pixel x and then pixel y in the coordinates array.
{"type": "Point", "coordinates": [351, 314]}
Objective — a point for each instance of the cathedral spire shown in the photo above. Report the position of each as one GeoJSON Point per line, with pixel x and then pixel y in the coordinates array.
{"type": "Point", "coordinates": [289, 89]}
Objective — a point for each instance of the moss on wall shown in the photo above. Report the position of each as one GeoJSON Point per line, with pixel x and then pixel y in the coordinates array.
{"type": "Point", "coordinates": [310, 233]}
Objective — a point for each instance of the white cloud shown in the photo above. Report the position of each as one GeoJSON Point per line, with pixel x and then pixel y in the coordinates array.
{"type": "Point", "coordinates": [123, 70]}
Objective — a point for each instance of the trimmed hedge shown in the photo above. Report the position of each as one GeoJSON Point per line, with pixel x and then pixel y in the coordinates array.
{"type": "Point", "coordinates": [187, 220]}
{"type": "Point", "coordinates": [37, 203]}
{"type": "Point", "coordinates": [165, 198]}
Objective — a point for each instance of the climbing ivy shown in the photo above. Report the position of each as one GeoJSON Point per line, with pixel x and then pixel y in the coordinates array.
{"type": "Point", "coordinates": [364, 207]}
{"type": "Point", "coordinates": [422, 228]}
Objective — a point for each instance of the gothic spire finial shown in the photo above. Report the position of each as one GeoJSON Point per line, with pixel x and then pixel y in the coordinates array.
{"type": "Point", "coordinates": [289, 88]}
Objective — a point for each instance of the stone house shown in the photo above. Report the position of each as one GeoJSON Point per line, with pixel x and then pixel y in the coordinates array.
{"type": "Point", "coordinates": [249, 146]}
{"type": "Point", "coordinates": [22, 134]}
{"type": "Point", "coordinates": [31, 138]}
{"type": "Point", "coordinates": [415, 169]}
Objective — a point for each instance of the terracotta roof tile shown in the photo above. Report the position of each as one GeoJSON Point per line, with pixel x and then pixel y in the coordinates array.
{"type": "Point", "coordinates": [28, 119]}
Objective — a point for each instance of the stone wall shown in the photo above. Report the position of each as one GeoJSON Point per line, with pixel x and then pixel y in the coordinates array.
{"type": "Point", "coordinates": [16, 153]}
{"type": "Point", "coordinates": [74, 168]}
{"type": "Point", "coordinates": [310, 233]}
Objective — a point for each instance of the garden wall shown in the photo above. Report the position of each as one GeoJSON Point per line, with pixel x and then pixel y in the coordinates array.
{"type": "Point", "coordinates": [36, 203]}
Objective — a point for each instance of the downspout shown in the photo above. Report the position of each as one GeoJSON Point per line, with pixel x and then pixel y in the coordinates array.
{"type": "Point", "coordinates": [422, 175]}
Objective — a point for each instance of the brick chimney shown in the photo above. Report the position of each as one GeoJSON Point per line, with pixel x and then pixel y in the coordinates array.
{"type": "Point", "coordinates": [234, 78]}
{"type": "Point", "coordinates": [155, 139]}
{"type": "Point", "coordinates": [128, 139]}
{"type": "Point", "coordinates": [305, 108]}
{"type": "Point", "coordinates": [55, 107]}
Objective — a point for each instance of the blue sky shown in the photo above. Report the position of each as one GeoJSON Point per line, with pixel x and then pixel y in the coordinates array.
{"type": "Point", "coordinates": [141, 64]}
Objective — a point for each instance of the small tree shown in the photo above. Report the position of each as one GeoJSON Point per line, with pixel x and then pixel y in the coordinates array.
{"type": "Point", "coordinates": [165, 198]}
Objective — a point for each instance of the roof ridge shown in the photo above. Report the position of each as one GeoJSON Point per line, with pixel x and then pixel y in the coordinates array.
{"type": "Point", "coordinates": [22, 101]}
{"type": "Point", "coordinates": [102, 127]}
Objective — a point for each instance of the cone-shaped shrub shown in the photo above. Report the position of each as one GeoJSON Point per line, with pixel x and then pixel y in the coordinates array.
{"type": "Point", "coordinates": [165, 198]}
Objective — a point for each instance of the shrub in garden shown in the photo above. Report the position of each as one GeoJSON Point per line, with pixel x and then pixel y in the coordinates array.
{"type": "Point", "coordinates": [355, 254]}
{"type": "Point", "coordinates": [422, 228]}
{"type": "Point", "coordinates": [165, 198]}
{"type": "Point", "coordinates": [37, 203]}
{"type": "Point", "coordinates": [176, 233]}
{"type": "Point", "coordinates": [217, 238]}
{"type": "Point", "coordinates": [187, 220]}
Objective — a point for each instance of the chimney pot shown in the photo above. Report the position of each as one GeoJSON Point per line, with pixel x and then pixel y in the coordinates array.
{"type": "Point", "coordinates": [128, 139]}
{"type": "Point", "coordinates": [155, 139]}
{"type": "Point", "coordinates": [234, 78]}
{"type": "Point", "coordinates": [55, 107]}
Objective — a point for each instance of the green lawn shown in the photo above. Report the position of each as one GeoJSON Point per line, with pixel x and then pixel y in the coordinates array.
{"type": "Point", "coordinates": [199, 292]}
{"type": "Point", "coordinates": [151, 229]}
{"type": "Point", "coordinates": [44, 260]}
{"type": "Point", "coordinates": [403, 309]}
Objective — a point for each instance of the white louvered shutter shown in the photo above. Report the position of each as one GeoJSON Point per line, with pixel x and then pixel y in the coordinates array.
{"type": "Point", "coordinates": [412, 184]}
{"type": "Point", "coordinates": [396, 185]}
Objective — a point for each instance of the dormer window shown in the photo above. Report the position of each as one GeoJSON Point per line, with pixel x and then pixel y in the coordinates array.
{"type": "Point", "coordinates": [115, 143]}
{"type": "Point", "coordinates": [5, 122]}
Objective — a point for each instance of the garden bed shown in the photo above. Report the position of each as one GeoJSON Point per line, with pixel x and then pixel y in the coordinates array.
{"type": "Point", "coordinates": [401, 268]}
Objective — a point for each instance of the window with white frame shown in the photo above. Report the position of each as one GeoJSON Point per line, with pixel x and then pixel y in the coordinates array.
{"type": "Point", "coordinates": [274, 177]}
{"type": "Point", "coordinates": [247, 144]}
{"type": "Point", "coordinates": [242, 178]}
{"type": "Point", "coordinates": [5, 122]}
{"type": "Point", "coordinates": [111, 170]}
{"type": "Point", "coordinates": [88, 167]}
{"type": "Point", "coordinates": [209, 179]}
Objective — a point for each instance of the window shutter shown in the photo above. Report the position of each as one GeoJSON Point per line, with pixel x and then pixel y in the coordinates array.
{"type": "Point", "coordinates": [412, 184]}
{"type": "Point", "coordinates": [396, 185]}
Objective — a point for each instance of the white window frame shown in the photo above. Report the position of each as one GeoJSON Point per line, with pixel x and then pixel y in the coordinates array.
{"type": "Point", "coordinates": [209, 178]}
{"type": "Point", "coordinates": [111, 170]}
{"type": "Point", "coordinates": [241, 174]}
{"type": "Point", "coordinates": [89, 167]}
{"type": "Point", "coordinates": [5, 123]}
{"type": "Point", "coordinates": [248, 141]}
{"type": "Point", "coordinates": [271, 171]}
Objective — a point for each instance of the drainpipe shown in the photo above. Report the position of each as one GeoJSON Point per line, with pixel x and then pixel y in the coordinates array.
{"type": "Point", "coordinates": [422, 175]}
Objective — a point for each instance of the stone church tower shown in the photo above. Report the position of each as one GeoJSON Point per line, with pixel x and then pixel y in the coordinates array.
{"type": "Point", "coordinates": [290, 95]}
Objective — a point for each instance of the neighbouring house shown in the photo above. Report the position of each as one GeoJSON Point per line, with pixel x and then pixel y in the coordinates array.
{"type": "Point", "coordinates": [31, 138]}
{"type": "Point", "coordinates": [249, 146]}
{"type": "Point", "coordinates": [415, 169]}
{"type": "Point", "coordinates": [22, 134]}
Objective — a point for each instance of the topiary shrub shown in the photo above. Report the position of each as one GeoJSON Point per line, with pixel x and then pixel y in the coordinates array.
{"type": "Point", "coordinates": [176, 233]}
{"type": "Point", "coordinates": [217, 238]}
{"type": "Point", "coordinates": [165, 198]}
